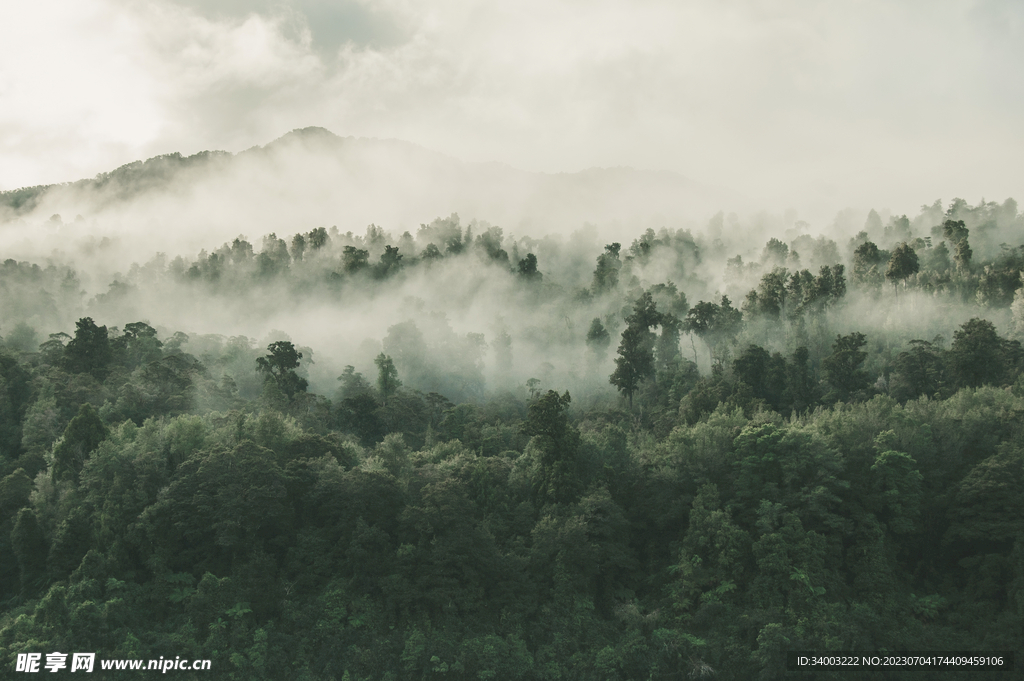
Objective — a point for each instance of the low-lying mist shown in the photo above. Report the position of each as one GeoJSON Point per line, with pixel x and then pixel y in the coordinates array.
{"type": "Point", "coordinates": [308, 178]}
{"type": "Point", "coordinates": [468, 310]}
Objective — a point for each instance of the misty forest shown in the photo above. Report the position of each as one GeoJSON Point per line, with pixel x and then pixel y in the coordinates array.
{"type": "Point", "coordinates": [459, 452]}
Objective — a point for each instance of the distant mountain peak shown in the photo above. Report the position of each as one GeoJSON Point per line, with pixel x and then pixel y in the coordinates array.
{"type": "Point", "coordinates": [313, 175]}
{"type": "Point", "coordinates": [311, 131]}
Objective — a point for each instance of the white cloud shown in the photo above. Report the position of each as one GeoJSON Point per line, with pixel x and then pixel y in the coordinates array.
{"type": "Point", "coordinates": [872, 101]}
{"type": "Point", "coordinates": [90, 84]}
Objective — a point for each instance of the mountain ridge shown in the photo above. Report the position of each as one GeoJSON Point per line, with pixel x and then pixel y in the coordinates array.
{"type": "Point", "coordinates": [132, 178]}
{"type": "Point", "coordinates": [311, 177]}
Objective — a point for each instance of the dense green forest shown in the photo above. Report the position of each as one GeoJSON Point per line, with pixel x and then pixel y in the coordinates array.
{"type": "Point", "coordinates": [680, 458]}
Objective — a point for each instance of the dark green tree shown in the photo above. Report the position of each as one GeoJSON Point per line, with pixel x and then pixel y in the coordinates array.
{"type": "Point", "coordinates": [957, 233]}
{"type": "Point", "coordinates": [635, 362]}
{"type": "Point", "coordinates": [976, 357]}
{"type": "Point", "coordinates": [280, 365]}
{"type": "Point", "coordinates": [765, 374]}
{"type": "Point", "coordinates": [902, 264]}
{"type": "Point", "coordinates": [666, 349]}
{"type": "Point", "coordinates": [700, 321]}
{"type": "Point", "coordinates": [490, 243]}
{"type": "Point", "coordinates": [799, 289]}
{"type": "Point", "coordinates": [868, 262]}
{"type": "Point", "coordinates": [843, 368]}
{"type": "Point", "coordinates": [431, 253]}
{"type": "Point", "coordinates": [82, 435]}
{"type": "Point", "coordinates": [896, 495]}
{"type": "Point", "coordinates": [751, 367]}
{"type": "Point", "coordinates": [387, 378]}
{"type": "Point", "coordinates": [989, 502]}
{"type": "Point", "coordinates": [769, 299]}
{"type": "Point", "coordinates": [390, 263]}
{"type": "Point", "coordinates": [317, 238]}
{"type": "Point", "coordinates": [775, 253]}
{"type": "Point", "coordinates": [219, 509]}
{"type": "Point", "coordinates": [714, 324]}
{"type": "Point", "coordinates": [29, 546]}
{"type": "Point", "coordinates": [298, 247]}
{"type": "Point", "coordinates": [527, 268]}
{"type": "Point", "coordinates": [829, 286]}
{"type": "Point", "coordinates": [558, 444]}
{"type": "Point", "coordinates": [14, 493]}
{"type": "Point", "coordinates": [814, 293]}
{"type": "Point", "coordinates": [962, 255]}
{"type": "Point", "coordinates": [137, 345]}
{"type": "Point", "coordinates": [606, 274]}
{"type": "Point", "coordinates": [89, 351]}
{"type": "Point", "coordinates": [352, 384]}
{"type": "Point", "coordinates": [240, 252]}
{"type": "Point", "coordinates": [937, 259]}
{"type": "Point", "coordinates": [15, 396]}
{"type": "Point", "coordinates": [801, 388]}
{"type": "Point", "coordinates": [355, 260]}
{"type": "Point", "coordinates": [360, 415]}
{"type": "Point", "coordinates": [918, 371]}
{"type": "Point", "coordinates": [670, 299]}
{"type": "Point", "coordinates": [645, 314]}
{"type": "Point", "coordinates": [52, 350]}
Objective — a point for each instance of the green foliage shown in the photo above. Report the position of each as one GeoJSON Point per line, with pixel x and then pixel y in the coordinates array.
{"type": "Point", "coordinates": [635, 362]}
{"type": "Point", "coordinates": [527, 268]}
{"type": "Point", "coordinates": [764, 373]}
{"type": "Point", "coordinates": [801, 388]}
{"type": "Point", "coordinates": [897, 486]}
{"type": "Point", "coordinates": [714, 324]}
{"type": "Point", "coordinates": [989, 503]}
{"type": "Point", "coordinates": [82, 435]}
{"type": "Point", "coordinates": [15, 398]}
{"type": "Point", "coordinates": [355, 260]}
{"type": "Point", "coordinates": [89, 351]}
{"type": "Point", "coordinates": [227, 501]}
{"type": "Point", "coordinates": [976, 356]}
{"type": "Point", "coordinates": [713, 557]}
{"type": "Point", "coordinates": [957, 232]}
{"type": "Point", "coordinates": [280, 365]}
{"type": "Point", "coordinates": [153, 501]}
{"type": "Point", "coordinates": [902, 264]}
{"type": "Point", "coordinates": [29, 547]}
{"type": "Point", "coordinates": [557, 444]}
{"type": "Point", "coordinates": [137, 345]}
{"type": "Point", "coordinates": [843, 368]}
{"type": "Point", "coordinates": [387, 378]}
{"type": "Point", "coordinates": [868, 262]}
{"type": "Point", "coordinates": [919, 371]}
{"type": "Point", "coordinates": [598, 338]}
{"type": "Point", "coordinates": [262, 546]}
{"type": "Point", "coordinates": [606, 275]}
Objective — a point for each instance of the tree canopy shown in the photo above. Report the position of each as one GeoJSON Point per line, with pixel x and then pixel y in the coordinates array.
{"type": "Point", "coordinates": [831, 469]}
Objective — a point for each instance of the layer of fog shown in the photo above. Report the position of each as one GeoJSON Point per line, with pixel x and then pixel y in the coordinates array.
{"type": "Point", "coordinates": [139, 230]}
{"type": "Point", "coordinates": [446, 315]}
{"type": "Point", "coordinates": [313, 178]}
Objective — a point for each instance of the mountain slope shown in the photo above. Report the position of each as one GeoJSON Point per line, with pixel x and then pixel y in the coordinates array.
{"type": "Point", "coordinates": [313, 177]}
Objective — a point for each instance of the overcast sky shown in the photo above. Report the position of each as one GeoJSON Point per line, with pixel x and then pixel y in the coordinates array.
{"type": "Point", "coordinates": [867, 103]}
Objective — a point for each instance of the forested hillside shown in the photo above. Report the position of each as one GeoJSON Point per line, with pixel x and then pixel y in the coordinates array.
{"type": "Point", "coordinates": [465, 455]}
{"type": "Point", "coordinates": [311, 176]}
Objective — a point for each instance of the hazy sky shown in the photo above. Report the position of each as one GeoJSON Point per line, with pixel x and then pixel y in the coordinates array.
{"type": "Point", "coordinates": [863, 103]}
